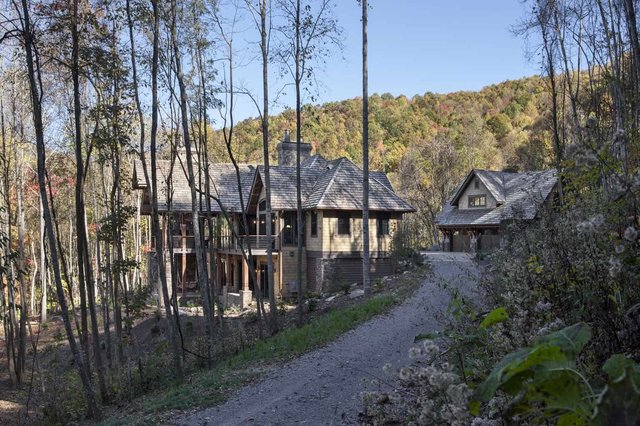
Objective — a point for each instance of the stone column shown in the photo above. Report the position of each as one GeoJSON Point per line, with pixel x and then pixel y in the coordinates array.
{"type": "Point", "coordinates": [245, 293]}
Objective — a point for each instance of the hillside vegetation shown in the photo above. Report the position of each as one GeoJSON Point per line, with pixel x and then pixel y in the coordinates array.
{"type": "Point", "coordinates": [426, 143]}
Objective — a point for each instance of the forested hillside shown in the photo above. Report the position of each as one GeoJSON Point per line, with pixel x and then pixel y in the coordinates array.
{"type": "Point", "coordinates": [426, 143]}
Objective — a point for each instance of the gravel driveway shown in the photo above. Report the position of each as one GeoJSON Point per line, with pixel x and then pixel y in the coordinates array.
{"type": "Point", "coordinates": [323, 386]}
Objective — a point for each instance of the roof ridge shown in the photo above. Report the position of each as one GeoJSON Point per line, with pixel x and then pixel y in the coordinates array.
{"type": "Point", "coordinates": [334, 170]}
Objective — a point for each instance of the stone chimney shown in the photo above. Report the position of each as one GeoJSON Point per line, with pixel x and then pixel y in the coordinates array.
{"type": "Point", "coordinates": [287, 151]}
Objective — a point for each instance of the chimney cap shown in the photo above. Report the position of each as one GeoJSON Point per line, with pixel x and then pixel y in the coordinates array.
{"type": "Point", "coordinates": [286, 138]}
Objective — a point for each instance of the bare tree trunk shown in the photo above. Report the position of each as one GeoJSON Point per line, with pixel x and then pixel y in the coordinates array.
{"type": "Point", "coordinates": [273, 315]}
{"type": "Point", "coordinates": [152, 183]}
{"type": "Point", "coordinates": [85, 273]}
{"type": "Point", "coordinates": [136, 96]}
{"type": "Point", "coordinates": [203, 281]}
{"type": "Point", "coordinates": [548, 50]}
{"type": "Point", "coordinates": [299, 220]}
{"type": "Point", "coordinates": [43, 267]}
{"type": "Point", "coordinates": [24, 311]}
{"type": "Point", "coordinates": [366, 262]}
{"type": "Point", "coordinates": [11, 321]}
{"type": "Point", "coordinates": [92, 406]}
{"type": "Point", "coordinates": [227, 134]}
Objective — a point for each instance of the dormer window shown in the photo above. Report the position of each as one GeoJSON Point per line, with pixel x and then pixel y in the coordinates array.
{"type": "Point", "coordinates": [477, 201]}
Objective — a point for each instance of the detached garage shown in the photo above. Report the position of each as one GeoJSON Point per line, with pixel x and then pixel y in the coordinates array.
{"type": "Point", "coordinates": [473, 219]}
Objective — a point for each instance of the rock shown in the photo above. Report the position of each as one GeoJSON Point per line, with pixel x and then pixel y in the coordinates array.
{"type": "Point", "coordinates": [356, 293]}
{"type": "Point", "coordinates": [330, 299]}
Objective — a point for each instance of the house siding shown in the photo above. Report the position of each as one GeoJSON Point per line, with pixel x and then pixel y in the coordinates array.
{"type": "Point", "coordinates": [463, 203]}
{"type": "Point", "coordinates": [333, 242]}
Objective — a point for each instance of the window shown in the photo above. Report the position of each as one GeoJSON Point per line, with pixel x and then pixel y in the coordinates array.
{"type": "Point", "coordinates": [262, 219]}
{"type": "Point", "coordinates": [344, 224]}
{"type": "Point", "coordinates": [477, 200]}
{"type": "Point", "coordinates": [476, 184]}
{"type": "Point", "coordinates": [314, 224]}
{"type": "Point", "coordinates": [290, 231]}
{"type": "Point", "coordinates": [262, 226]}
{"type": "Point", "coordinates": [383, 225]}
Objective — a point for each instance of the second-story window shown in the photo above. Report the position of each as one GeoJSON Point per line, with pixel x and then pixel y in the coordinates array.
{"type": "Point", "coordinates": [290, 231]}
{"type": "Point", "coordinates": [344, 223]}
{"type": "Point", "coordinates": [477, 201]}
{"type": "Point", "coordinates": [262, 219]}
{"type": "Point", "coordinates": [314, 224]}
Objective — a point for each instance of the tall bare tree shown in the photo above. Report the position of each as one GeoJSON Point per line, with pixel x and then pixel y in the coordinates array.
{"type": "Point", "coordinates": [33, 73]}
{"type": "Point", "coordinates": [316, 31]}
{"type": "Point", "coordinates": [366, 262]}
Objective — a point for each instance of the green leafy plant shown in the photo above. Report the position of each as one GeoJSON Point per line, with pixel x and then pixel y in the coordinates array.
{"type": "Point", "coordinates": [544, 383]}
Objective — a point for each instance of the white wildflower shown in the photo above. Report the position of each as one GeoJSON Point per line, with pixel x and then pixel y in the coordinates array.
{"type": "Point", "coordinates": [414, 352]}
{"type": "Point", "coordinates": [405, 373]}
{"type": "Point", "coordinates": [591, 225]}
{"type": "Point", "coordinates": [630, 234]}
{"type": "Point", "coordinates": [459, 394]}
{"type": "Point", "coordinates": [554, 325]}
{"type": "Point", "coordinates": [542, 306]}
{"type": "Point", "coordinates": [431, 348]}
{"type": "Point", "coordinates": [615, 266]}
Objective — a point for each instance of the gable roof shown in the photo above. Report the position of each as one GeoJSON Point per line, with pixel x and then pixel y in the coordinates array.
{"type": "Point", "coordinates": [223, 185]}
{"type": "Point", "coordinates": [521, 195]}
{"type": "Point", "coordinates": [340, 187]}
{"type": "Point", "coordinates": [494, 181]}
{"type": "Point", "coordinates": [335, 184]}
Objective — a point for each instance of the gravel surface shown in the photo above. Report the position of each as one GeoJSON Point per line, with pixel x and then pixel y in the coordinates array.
{"type": "Point", "coordinates": [323, 386]}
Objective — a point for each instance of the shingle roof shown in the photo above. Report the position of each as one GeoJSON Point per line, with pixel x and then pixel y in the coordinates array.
{"type": "Point", "coordinates": [340, 188]}
{"type": "Point", "coordinates": [521, 195]}
{"type": "Point", "coordinates": [335, 184]}
{"type": "Point", "coordinates": [283, 184]}
{"type": "Point", "coordinates": [224, 185]}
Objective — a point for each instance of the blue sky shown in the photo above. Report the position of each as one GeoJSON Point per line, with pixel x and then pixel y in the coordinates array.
{"type": "Point", "coordinates": [416, 46]}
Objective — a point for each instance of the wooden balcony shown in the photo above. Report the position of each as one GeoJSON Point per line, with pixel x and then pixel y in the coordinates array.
{"type": "Point", "coordinates": [180, 244]}
{"type": "Point", "coordinates": [258, 243]}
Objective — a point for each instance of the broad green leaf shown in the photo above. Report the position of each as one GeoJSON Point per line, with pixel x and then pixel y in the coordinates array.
{"type": "Point", "coordinates": [618, 367]}
{"type": "Point", "coordinates": [553, 352]}
{"type": "Point", "coordinates": [571, 340]}
{"type": "Point", "coordinates": [515, 367]}
{"type": "Point", "coordinates": [496, 316]}
{"type": "Point", "coordinates": [619, 402]}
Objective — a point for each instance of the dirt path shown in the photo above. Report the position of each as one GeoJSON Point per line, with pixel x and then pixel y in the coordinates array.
{"type": "Point", "coordinates": [323, 387]}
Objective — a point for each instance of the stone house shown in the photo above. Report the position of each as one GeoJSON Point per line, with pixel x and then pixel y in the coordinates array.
{"type": "Point", "coordinates": [332, 212]}
{"type": "Point", "coordinates": [475, 216]}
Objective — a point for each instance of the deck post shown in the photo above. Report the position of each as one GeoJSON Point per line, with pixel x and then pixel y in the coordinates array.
{"type": "Point", "coordinates": [245, 293]}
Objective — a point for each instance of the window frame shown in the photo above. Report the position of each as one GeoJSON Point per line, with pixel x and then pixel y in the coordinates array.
{"type": "Point", "coordinates": [471, 201]}
{"type": "Point", "coordinates": [383, 229]}
{"type": "Point", "coordinates": [313, 220]}
{"type": "Point", "coordinates": [290, 234]}
{"type": "Point", "coordinates": [344, 216]}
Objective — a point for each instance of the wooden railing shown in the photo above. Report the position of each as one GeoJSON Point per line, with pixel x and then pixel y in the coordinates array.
{"type": "Point", "coordinates": [186, 242]}
{"type": "Point", "coordinates": [258, 242]}
{"type": "Point", "coordinates": [179, 242]}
